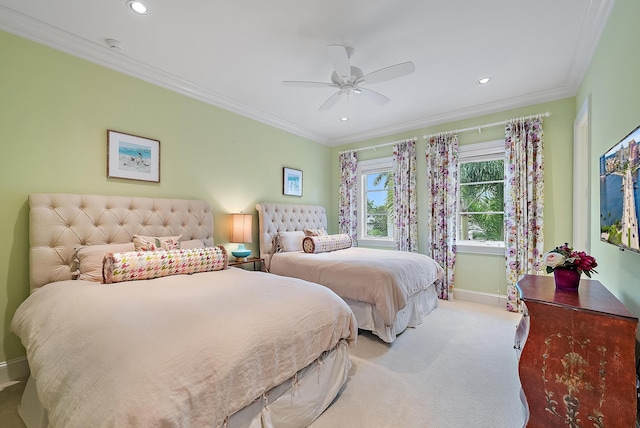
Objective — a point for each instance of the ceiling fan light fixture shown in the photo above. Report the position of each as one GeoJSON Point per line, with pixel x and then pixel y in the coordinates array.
{"type": "Point", "coordinates": [138, 7]}
{"type": "Point", "coordinates": [348, 79]}
{"type": "Point", "coordinates": [484, 80]}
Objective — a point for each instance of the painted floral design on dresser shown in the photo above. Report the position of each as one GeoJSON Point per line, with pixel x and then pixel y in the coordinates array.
{"type": "Point", "coordinates": [572, 379]}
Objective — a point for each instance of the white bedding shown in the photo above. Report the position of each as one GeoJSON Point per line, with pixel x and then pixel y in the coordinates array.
{"type": "Point", "coordinates": [184, 350]}
{"type": "Point", "coordinates": [383, 278]}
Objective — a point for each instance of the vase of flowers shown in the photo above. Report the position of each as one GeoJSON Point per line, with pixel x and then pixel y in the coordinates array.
{"type": "Point", "coordinates": [568, 265]}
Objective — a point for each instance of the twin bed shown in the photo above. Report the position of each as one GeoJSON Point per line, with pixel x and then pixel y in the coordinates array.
{"type": "Point", "coordinates": [206, 345]}
{"type": "Point", "coordinates": [387, 291]}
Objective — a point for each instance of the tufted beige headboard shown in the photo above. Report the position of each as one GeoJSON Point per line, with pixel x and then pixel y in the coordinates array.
{"type": "Point", "coordinates": [274, 218]}
{"type": "Point", "coordinates": [58, 223]}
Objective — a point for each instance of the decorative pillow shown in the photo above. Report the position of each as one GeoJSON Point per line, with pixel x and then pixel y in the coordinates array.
{"type": "Point", "coordinates": [323, 244]}
{"type": "Point", "coordinates": [315, 232]}
{"type": "Point", "coordinates": [135, 265]}
{"type": "Point", "coordinates": [153, 243]}
{"type": "Point", "coordinates": [89, 259]}
{"type": "Point", "coordinates": [289, 241]}
{"type": "Point", "coordinates": [192, 243]}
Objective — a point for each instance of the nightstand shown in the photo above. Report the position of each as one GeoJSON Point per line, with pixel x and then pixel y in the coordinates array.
{"type": "Point", "coordinates": [253, 260]}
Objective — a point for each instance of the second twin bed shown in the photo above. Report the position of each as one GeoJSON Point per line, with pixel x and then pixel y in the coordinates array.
{"type": "Point", "coordinates": [387, 291]}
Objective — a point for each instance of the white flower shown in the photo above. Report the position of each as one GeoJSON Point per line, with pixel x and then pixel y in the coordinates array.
{"type": "Point", "coordinates": [553, 259]}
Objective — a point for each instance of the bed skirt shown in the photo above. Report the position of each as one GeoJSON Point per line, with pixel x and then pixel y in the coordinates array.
{"type": "Point", "coordinates": [295, 403]}
{"type": "Point", "coordinates": [412, 315]}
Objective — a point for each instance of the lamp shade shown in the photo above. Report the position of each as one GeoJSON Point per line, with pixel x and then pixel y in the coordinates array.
{"type": "Point", "coordinates": [240, 228]}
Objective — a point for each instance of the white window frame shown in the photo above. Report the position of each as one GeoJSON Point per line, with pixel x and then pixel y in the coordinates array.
{"type": "Point", "coordinates": [489, 150]}
{"type": "Point", "coordinates": [364, 168]}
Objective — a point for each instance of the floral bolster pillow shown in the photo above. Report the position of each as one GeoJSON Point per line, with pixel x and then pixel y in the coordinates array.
{"type": "Point", "coordinates": [153, 243]}
{"type": "Point", "coordinates": [315, 232]}
{"type": "Point", "coordinates": [325, 243]}
{"type": "Point", "coordinates": [135, 265]}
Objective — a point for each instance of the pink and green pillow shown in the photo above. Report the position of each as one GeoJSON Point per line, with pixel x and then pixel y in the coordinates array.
{"type": "Point", "coordinates": [137, 265]}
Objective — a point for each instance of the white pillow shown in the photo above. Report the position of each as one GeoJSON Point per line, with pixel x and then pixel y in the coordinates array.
{"type": "Point", "coordinates": [191, 244]}
{"type": "Point", "coordinates": [89, 259]}
{"type": "Point", "coordinates": [289, 241]}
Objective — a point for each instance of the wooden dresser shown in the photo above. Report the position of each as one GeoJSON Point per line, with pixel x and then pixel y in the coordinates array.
{"type": "Point", "coordinates": [576, 356]}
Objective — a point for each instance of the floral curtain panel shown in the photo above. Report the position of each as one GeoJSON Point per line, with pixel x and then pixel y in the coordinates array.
{"type": "Point", "coordinates": [523, 201]}
{"type": "Point", "coordinates": [442, 187]}
{"type": "Point", "coordinates": [348, 209]}
{"type": "Point", "coordinates": [404, 195]}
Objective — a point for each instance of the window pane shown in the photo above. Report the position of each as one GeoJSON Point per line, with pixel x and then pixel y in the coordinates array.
{"type": "Point", "coordinates": [473, 172]}
{"type": "Point", "coordinates": [379, 211]}
{"type": "Point", "coordinates": [376, 181]}
{"type": "Point", "coordinates": [482, 227]}
{"type": "Point", "coordinates": [482, 200]}
{"type": "Point", "coordinates": [378, 226]}
{"type": "Point", "coordinates": [482, 197]}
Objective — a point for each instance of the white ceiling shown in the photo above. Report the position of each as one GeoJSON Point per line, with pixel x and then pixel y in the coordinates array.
{"type": "Point", "coordinates": [235, 54]}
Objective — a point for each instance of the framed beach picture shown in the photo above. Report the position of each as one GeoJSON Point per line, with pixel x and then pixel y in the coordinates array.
{"type": "Point", "coordinates": [292, 182]}
{"type": "Point", "coordinates": [132, 157]}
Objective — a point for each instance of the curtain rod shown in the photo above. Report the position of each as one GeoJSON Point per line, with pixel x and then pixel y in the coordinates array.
{"type": "Point", "coordinates": [488, 125]}
{"type": "Point", "coordinates": [378, 145]}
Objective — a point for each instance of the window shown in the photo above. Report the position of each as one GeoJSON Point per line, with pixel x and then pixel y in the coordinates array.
{"type": "Point", "coordinates": [481, 198]}
{"type": "Point", "coordinates": [375, 203]}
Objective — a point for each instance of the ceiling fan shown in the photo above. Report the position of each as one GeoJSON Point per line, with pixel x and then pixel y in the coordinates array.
{"type": "Point", "coordinates": [349, 79]}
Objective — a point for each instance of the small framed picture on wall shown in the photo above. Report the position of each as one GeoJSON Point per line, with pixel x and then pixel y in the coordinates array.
{"type": "Point", "coordinates": [292, 182]}
{"type": "Point", "coordinates": [132, 157]}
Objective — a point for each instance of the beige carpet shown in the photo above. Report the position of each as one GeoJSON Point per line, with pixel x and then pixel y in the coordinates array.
{"type": "Point", "coordinates": [457, 370]}
{"type": "Point", "coordinates": [10, 394]}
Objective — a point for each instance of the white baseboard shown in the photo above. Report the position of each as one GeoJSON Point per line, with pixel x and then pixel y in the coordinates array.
{"type": "Point", "coordinates": [12, 370]}
{"type": "Point", "coordinates": [490, 299]}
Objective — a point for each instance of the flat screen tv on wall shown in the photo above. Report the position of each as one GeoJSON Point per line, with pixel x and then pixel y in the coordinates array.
{"type": "Point", "coordinates": [619, 194]}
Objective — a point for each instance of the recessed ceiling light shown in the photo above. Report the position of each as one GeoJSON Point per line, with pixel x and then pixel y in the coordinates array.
{"type": "Point", "coordinates": [484, 80]}
{"type": "Point", "coordinates": [138, 7]}
{"type": "Point", "coordinates": [344, 118]}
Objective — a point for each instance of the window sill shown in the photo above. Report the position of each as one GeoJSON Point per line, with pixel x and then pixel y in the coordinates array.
{"type": "Point", "coordinates": [479, 247]}
{"type": "Point", "coordinates": [376, 243]}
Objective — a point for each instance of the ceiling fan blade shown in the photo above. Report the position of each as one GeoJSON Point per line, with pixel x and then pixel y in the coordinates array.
{"type": "Point", "coordinates": [331, 101]}
{"type": "Point", "coordinates": [340, 61]}
{"type": "Point", "coordinates": [373, 96]}
{"type": "Point", "coordinates": [307, 84]}
{"type": "Point", "coordinates": [388, 73]}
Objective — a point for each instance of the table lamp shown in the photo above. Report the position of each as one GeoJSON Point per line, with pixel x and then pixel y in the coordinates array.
{"type": "Point", "coordinates": [241, 233]}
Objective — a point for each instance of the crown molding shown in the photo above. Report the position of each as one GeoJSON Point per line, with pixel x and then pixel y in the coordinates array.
{"type": "Point", "coordinates": [453, 116]}
{"type": "Point", "coordinates": [593, 24]}
{"type": "Point", "coordinates": [53, 37]}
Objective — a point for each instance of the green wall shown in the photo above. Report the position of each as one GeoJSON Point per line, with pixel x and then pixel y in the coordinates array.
{"type": "Point", "coordinates": [55, 110]}
{"type": "Point", "coordinates": [613, 86]}
{"type": "Point", "coordinates": [484, 273]}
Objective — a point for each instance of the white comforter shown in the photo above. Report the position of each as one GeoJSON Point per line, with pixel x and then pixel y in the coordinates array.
{"type": "Point", "coordinates": [185, 350]}
{"type": "Point", "coordinates": [382, 278]}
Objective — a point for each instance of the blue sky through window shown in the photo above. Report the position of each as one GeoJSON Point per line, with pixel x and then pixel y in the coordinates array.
{"type": "Point", "coordinates": [378, 198]}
